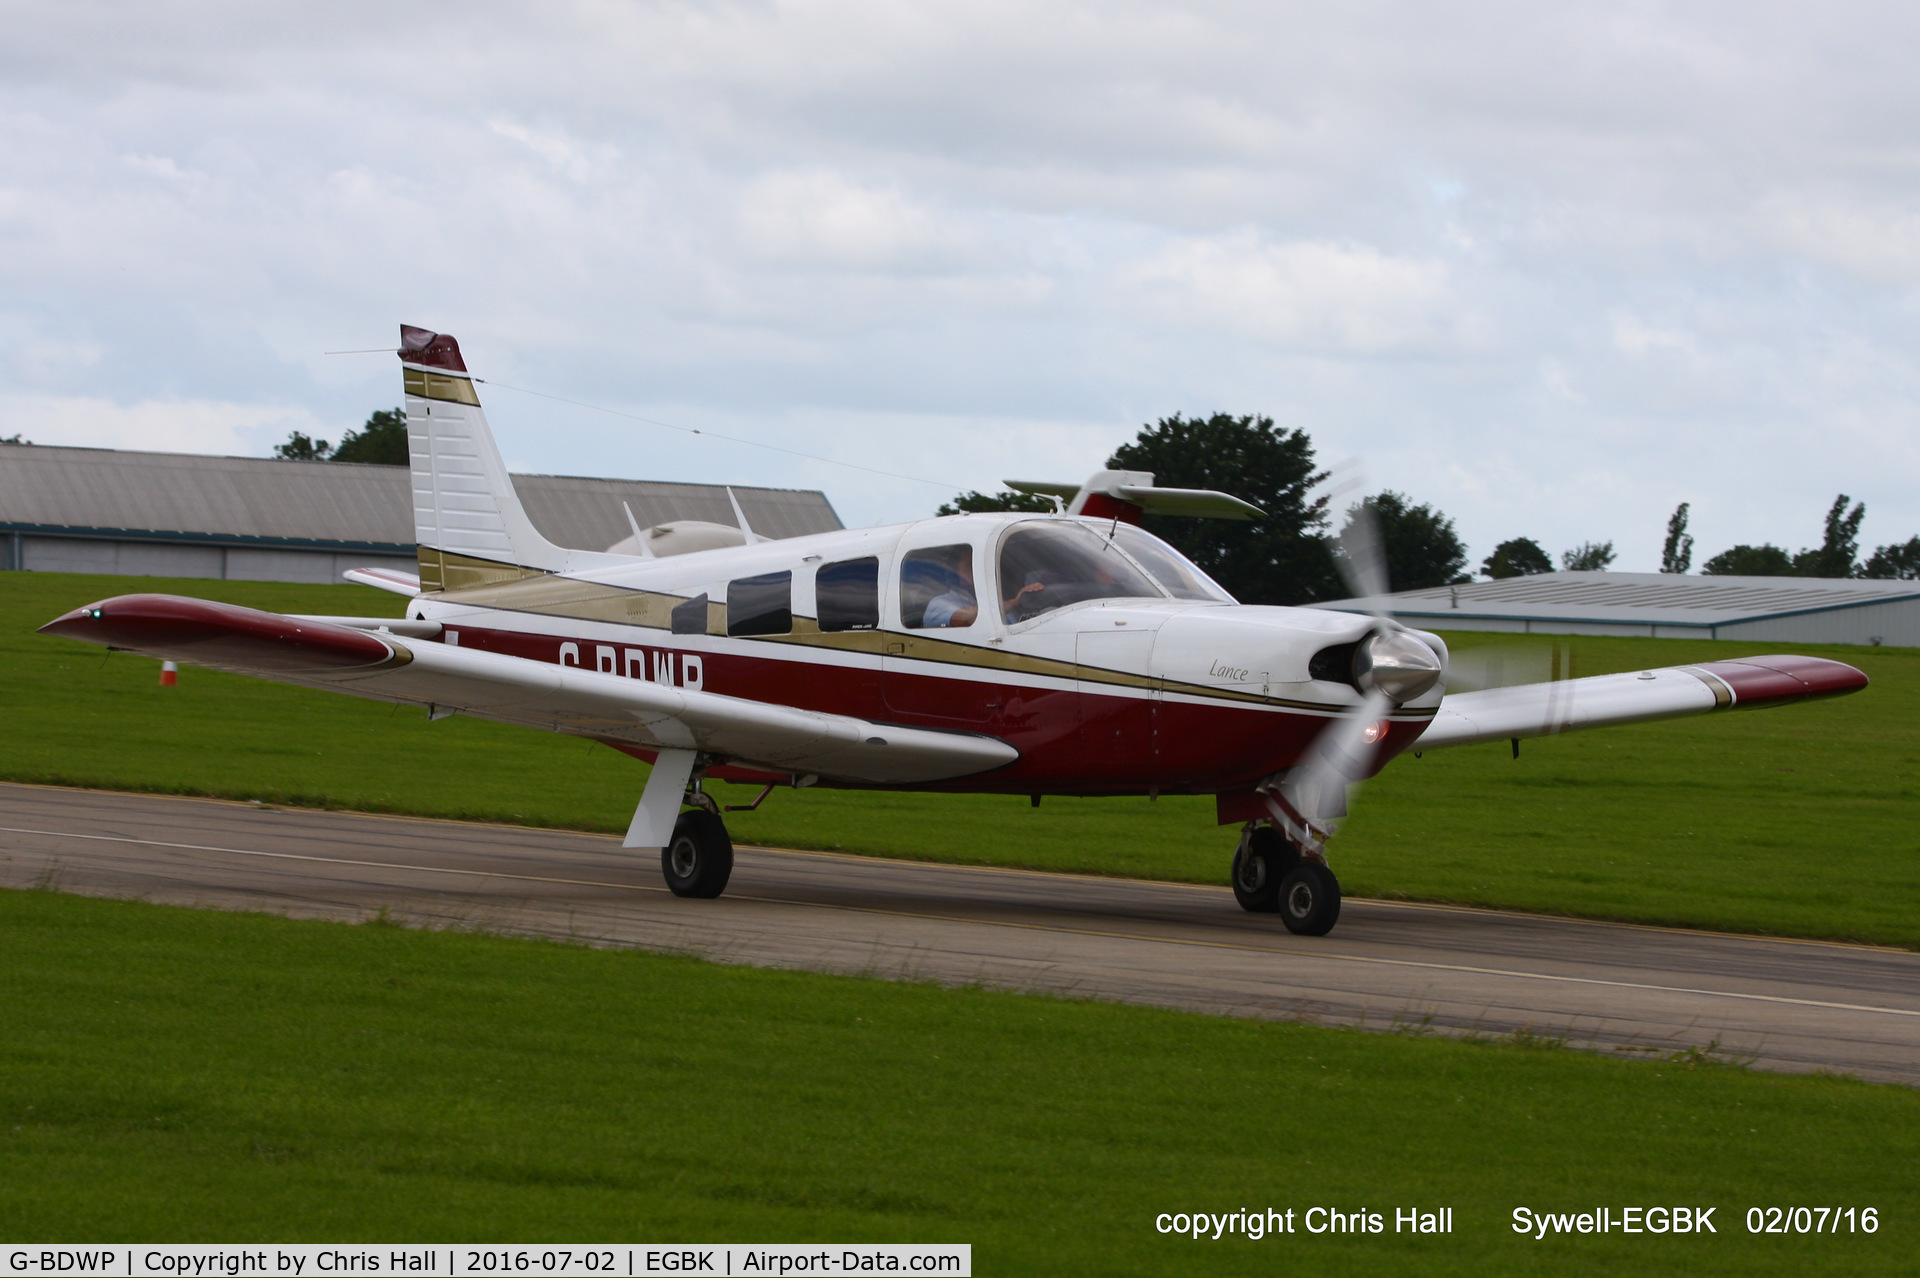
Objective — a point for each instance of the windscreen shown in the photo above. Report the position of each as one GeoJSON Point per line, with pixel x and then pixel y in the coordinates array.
{"type": "Point", "coordinates": [1044, 566]}
{"type": "Point", "coordinates": [1180, 576]}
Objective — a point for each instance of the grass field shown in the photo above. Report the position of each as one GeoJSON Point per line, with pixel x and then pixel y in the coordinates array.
{"type": "Point", "coordinates": [170, 1074]}
{"type": "Point", "coordinates": [1799, 821]}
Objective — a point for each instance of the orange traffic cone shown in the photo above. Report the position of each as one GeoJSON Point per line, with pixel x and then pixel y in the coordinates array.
{"type": "Point", "coordinates": [169, 674]}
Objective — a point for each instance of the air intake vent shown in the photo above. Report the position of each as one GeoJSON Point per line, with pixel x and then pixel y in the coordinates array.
{"type": "Point", "coordinates": [1334, 665]}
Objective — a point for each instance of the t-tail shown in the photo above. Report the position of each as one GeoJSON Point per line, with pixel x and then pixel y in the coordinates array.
{"type": "Point", "coordinates": [468, 521]}
{"type": "Point", "coordinates": [1126, 495]}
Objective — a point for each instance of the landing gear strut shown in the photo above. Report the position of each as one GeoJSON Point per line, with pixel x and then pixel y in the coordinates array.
{"type": "Point", "coordinates": [1271, 876]}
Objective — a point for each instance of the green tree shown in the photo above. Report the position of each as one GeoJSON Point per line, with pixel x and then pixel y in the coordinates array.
{"type": "Point", "coordinates": [1764, 560]}
{"type": "Point", "coordinates": [381, 442]}
{"type": "Point", "coordinates": [1005, 499]}
{"type": "Point", "coordinates": [1281, 558]}
{"type": "Point", "coordinates": [1837, 555]}
{"type": "Point", "coordinates": [1840, 548]}
{"type": "Point", "coordinates": [1521, 557]}
{"type": "Point", "coordinates": [1588, 556]}
{"type": "Point", "coordinates": [1677, 554]}
{"type": "Point", "coordinates": [299, 448]}
{"type": "Point", "coordinates": [16, 439]}
{"type": "Point", "coordinates": [1898, 562]}
{"type": "Point", "coordinates": [1418, 542]}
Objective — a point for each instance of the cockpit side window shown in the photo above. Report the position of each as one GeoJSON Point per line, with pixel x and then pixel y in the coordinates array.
{"type": "Point", "coordinates": [760, 605]}
{"type": "Point", "coordinates": [936, 588]}
{"type": "Point", "coordinates": [1177, 574]}
{"type": "Point", "coordinates": [1044, 566]}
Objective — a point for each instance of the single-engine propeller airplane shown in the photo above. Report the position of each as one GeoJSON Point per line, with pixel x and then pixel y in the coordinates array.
{"type": "Point", "coordinates": [1071, 653]}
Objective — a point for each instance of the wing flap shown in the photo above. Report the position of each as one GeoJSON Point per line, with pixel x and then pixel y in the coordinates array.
{"type": "Point", "coordinates": [320, 654]}
{"type": "Point", "coordinates": [1546, 709]}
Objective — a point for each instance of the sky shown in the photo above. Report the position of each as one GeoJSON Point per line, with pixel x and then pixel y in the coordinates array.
{"type": "Point", "coordinates": [1553, 269]}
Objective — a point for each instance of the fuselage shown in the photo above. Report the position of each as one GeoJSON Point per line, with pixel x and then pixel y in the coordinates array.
{"type": "Point", "coordinates": [1108, 660]}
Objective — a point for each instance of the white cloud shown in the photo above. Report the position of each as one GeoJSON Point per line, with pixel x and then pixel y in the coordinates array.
{"type": "Point", "coordinates": [1553, 269]}
{"type": "Point", "coordinates": [819, 218]}
{"type": "Point", "coordinates": [1876, 243]}
{"type": "Point", "coordinates": [1333, 297]}
{"type": "Point", "coordinates": [163, 426]}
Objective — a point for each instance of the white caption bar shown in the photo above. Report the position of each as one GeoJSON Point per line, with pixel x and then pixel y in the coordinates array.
{"type": "Point", "coordinates": [598, 1260]}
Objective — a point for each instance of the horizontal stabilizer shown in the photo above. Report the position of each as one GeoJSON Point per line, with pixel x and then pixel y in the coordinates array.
{"type": "Point", "coordinates": [1545, 709]}
{"type": "Point", "coordinates": [400, 583]}
{"type": "Point", "coordinates": [1197, 503]}
{"type": "Point", "coordinates": [1128, 494]}
{"type": "Point", "coordinates": [320, 653]}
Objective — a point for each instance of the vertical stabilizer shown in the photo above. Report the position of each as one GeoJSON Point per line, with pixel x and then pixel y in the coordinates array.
{"type": "Point", "coordinates": [467, 519]}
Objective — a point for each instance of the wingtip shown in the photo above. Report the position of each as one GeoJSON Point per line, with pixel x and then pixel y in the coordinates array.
{"type": "Point", "coordinates": [1783, 677]}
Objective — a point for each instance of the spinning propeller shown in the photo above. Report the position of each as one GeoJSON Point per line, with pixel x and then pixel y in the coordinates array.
{"type": "Point", "coordinates": [1391, 666]}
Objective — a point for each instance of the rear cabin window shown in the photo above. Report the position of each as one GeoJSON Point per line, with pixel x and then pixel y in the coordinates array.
{"type": "Point", "coordinates": [936, 588]}
{"type": "Point", "coordinates": [847, 594]}
{"type": "Point", "coordinates": [690, 618]}
{"type": "Point", "coordinates": [760, 605]}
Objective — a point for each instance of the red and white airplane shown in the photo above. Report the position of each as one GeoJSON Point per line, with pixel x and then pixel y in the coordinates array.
{"type": "Point", "coordinates": [1071, 653]}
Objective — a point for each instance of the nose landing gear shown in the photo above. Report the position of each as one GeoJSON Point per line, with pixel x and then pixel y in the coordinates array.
{"type": "Point", "coordinates": [1310, 899]}
{"type": "Point", "coordinates": [1271, 876]}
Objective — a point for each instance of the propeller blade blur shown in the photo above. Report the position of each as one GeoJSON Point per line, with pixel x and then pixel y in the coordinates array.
{"type": "Point", "coordinates": [1507, 666]}
{"type": "Point", "coordinates": [1362, 559]}
{"type": "Point", "coordinates": [1340, 757]}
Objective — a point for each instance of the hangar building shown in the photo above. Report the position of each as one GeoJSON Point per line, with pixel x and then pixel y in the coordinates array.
{"type": "Point", "coordinates": [1668, 606]}
{"type": "Point", "coordinates": [253, 519]}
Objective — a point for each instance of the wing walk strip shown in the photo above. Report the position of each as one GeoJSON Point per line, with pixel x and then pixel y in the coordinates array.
{"type": "Point", "coordinates": [1029, 927]}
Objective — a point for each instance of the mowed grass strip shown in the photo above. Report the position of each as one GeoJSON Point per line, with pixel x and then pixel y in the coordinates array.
{"type": "Point", "coordinates": [172, 1074]}
{"type": "Point", "coordinates": [1797, 821]}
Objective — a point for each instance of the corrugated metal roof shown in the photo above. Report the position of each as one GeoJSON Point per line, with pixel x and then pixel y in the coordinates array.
{"type": "Point", "coordinates": [1638, 597]}
{"type": "Point", "coordinates": [252, 497]}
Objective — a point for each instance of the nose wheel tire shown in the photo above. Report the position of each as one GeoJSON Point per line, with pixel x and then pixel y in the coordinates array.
{"type": "Point", "coordinates": [1309, 899]}
{"type": "Point", "coordinates": [1259, 864]}
{"type": "Point", "coordinates": [698, 860]}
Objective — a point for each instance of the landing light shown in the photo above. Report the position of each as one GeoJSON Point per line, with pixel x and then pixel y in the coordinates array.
{"type": "Point", "coordinates": [1374, 732]}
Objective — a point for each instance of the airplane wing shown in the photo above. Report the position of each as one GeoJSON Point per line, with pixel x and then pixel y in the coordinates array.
{"type": "Point", "coordinates": [375, 657]}
{"type": "Point", "coordinates": [1544, 709]}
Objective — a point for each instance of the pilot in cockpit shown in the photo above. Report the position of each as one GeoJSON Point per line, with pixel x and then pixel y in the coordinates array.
{"type": "Point", "coordinates": [959, 605]}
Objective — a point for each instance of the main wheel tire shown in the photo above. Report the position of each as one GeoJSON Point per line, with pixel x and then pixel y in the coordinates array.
{"type": "Point", "coordinates": [1259, 863]}
{"type": "Point", "coordinates": [1309, 899]}
{"type": "Point", "coordinates": [698, 860]}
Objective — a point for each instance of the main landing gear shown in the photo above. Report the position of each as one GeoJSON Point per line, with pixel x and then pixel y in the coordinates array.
{"type": "Point", "coordinates": [698, 860]}
{"type": "Point", "coordinates": [1272, 876]}
{"type": "Point", "coordinates": [696, 855]}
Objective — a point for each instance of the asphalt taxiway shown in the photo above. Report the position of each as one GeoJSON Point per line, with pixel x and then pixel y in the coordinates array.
{"type": "Point", "coordinates": [1785, 1005]}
